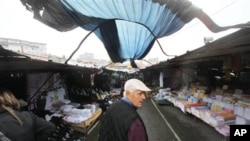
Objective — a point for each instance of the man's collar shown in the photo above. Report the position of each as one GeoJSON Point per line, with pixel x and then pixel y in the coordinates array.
{"type": "Point", "coordinates": [125, 99]}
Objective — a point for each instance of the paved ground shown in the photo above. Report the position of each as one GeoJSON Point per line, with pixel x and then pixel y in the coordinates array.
{"type": "Point", "coordinates": [156, 126]}
{"type": "Point", "coordinates": [168, 123]}
{"type": "Point", "coordinates": [188, 127]}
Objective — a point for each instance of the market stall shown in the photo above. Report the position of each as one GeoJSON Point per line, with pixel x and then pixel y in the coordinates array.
{"type": "Point", "coordinates": [214, 81]}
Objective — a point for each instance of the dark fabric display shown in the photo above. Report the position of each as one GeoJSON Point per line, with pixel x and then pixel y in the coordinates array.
{"type": "Point", "coordinates": [64, 132]}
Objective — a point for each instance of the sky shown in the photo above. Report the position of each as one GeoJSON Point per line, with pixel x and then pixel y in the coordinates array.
{"type": "Point", "coordinates": [17, 23]}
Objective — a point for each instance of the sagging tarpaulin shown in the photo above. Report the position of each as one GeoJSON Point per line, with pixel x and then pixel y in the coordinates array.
{"type": "Point", "coordinates": [127, 28]}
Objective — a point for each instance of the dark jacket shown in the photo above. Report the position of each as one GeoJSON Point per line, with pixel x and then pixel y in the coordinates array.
{"type": "Point", "coordinates": [34, 128]}
{"type": "Point", "coordinates": [117, 121]}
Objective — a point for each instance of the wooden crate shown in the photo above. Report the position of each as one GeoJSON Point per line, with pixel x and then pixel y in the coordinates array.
{"type": "Point", "coordinates": [85, 125]}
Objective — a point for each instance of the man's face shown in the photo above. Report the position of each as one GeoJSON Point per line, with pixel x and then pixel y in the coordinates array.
{"type": "Point", "coordinates": [136, 98]}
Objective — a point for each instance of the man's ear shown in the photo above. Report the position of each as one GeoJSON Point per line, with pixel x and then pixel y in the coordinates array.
{"type": "Point", "coordinates": [126, 93]}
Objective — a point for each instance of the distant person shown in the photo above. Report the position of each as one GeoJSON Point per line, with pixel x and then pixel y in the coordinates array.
{"type": "Point", "coordinates": [121, 122]}
{"type": "Point", "coordinates": [20, 125]}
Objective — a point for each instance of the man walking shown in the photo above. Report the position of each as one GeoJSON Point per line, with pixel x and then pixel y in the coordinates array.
{"type": "Point", "coordinates": [121, 122]}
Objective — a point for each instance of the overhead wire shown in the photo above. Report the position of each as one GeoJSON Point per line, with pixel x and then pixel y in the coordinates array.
{"type": "Point", "coordinates": [216, 12]}
{"type": "Point", "coordinates": [195, 24]}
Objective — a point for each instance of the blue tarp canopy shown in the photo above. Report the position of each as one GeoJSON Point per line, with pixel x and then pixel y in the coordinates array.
{"type": "Point", "coordinates": [127, 28]}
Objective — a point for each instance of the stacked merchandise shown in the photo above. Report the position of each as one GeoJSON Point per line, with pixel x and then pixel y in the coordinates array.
{"type": "Point", "coordinates": [105, 99]}
{"type": "Point", "coordinates": [83, 117]}
{"type": "Point", "coordinates": [75, 115]}
{"type": "Point", "coordinates": [242, 110]}
{"type": "Point", "coordinates": [222, 118]}
{"type": "Point", "coordinates": [85, 125]}
{"type": "Point", "coordinates": [199, 111]}
{"type": "Point", "coordinates": [220, 108]}
{"type": "Point", "coordinates": [189, 98]}
{"type": "Point", "coordinates": [69, 114]}
{"type": "Point", "coordinates": [181, 99]}
{"type": "Point", "coordinates": [224, 130]}
{"type": "Point", "coordinates": [222, 111]}
{"type": "Point", "coordinates": [162, 96]}
{"type": "Point", "coordinates": [227, 119]}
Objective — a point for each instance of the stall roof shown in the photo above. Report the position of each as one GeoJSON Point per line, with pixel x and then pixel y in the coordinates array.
{"type": "Point", "coordinates": [11, 61]}
{"type": "Point", "coordinates": [233, 44]}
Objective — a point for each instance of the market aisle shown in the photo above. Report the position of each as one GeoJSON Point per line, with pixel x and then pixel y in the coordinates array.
{"type": "Point", "coordinates": [157, 128]}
